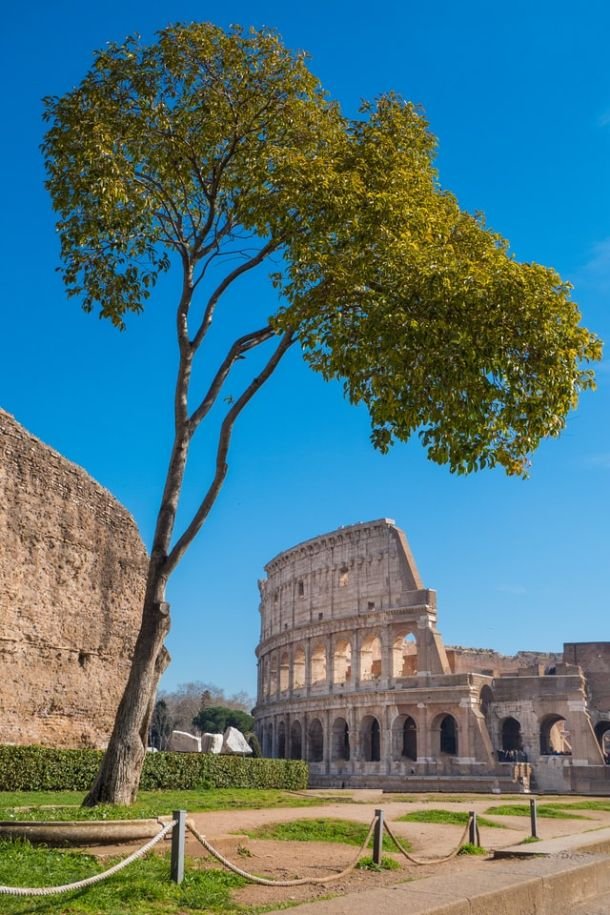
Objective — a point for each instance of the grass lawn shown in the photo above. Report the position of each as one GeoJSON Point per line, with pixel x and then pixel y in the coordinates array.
{"type": "Point", "coordinates": [321, 830]}
{"type": "Point", "coordinates": [65, 805]}
{"type": "Point", "coordinates": [457, 817]}
{"type": "Point", "coordinates": [581, 805]}
{"type": "Point", "coordinates": [144, 888]}
{"type": "Point", "coordinates": [551, 811]}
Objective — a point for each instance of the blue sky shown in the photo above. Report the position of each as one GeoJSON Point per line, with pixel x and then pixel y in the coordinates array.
{"type": "Point", "coordinates": [519, 96]}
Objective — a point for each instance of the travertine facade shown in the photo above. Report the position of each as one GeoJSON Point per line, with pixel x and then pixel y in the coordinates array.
{"type": "Point", "coordinates": [72, 568]}
{"type": "Point", "coordinates": [354, 677]}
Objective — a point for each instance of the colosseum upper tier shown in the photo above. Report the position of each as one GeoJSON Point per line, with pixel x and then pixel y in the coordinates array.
{"type": "Point", "coordinates": [353, 676]}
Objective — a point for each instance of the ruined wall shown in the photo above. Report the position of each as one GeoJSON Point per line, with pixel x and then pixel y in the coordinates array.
{"type": "Point", "coordinates": [594, 659]}
{"type": "Point", "coordinates": [493, 664]}
{"type": "Point", "coordinates": [72, 568]}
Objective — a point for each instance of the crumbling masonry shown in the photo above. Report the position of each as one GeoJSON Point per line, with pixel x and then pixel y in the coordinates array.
{"type": "Point", "coordinates": [353, 676]}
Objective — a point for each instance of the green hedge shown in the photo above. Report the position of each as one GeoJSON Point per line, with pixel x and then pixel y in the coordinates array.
{"type": "Point", "coordinates": [45, 769]}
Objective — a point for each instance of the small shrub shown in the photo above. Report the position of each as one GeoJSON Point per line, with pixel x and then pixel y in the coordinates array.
{"type": "Point", "coordinates": [469, 849]}
{"type": "Point", "coordinates": [387, 864]}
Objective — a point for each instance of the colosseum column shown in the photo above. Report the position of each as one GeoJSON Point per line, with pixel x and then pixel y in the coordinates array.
{"type": "Point", "coordinates": [386, 658]}
{"type": "Point", "coordinates": [290, 671]}
{"type": "Point", "coordinates": [386, 737]}
{"type": "Point", "coordinates": [355, 678]}
{"type": "Point", "coordinates": [327, 741]}
{"type": "Point", "coordinates": [330, 664]}
{"type": "Point", "coordinates": [307, 647]}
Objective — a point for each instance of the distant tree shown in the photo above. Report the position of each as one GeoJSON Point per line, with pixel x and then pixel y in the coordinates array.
{"type": "Point", "coordinates": [211, 152]}
{"type": "Point", "coordinates": [216, 719]}
{"type": "Point", "coordinates": [188, 699]}
{"type": "Point", "coordinates": [161, 725]}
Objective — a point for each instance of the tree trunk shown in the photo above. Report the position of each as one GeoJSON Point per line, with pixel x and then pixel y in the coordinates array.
{"type": "Point", "coordinates": [119, 775]}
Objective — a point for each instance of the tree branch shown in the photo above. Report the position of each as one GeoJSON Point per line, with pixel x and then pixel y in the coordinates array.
{"type": "Point", "coordinates": [222, 467]}
{"type": "Point", "coordinates": [239, 347]}
{"type": "Point", "coordinates": [208, 315]}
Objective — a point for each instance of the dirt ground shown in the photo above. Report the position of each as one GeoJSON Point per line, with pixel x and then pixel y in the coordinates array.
{"type": "Point", "coordinates": [281, 860]}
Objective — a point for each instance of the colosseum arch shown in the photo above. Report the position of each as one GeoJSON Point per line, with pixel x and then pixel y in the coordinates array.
{"type": "Point", "coordinates": [445, 735]}
{"type": "Point", "coordinates": [318, 665]}
{"type": "Point", "coordinates": [298, 668]}
{"type": "Point", "coordinates": [553, 738]}
{"type": "Point", "coordinates": [281, 740]}
{"type": "Point", "coordinates": [284, 672]}
{"type": "Point", "coordinates": [370, 739]}
{"type": "Point", "coordinates": [404, 738]}
{"type": "Point", "coordinates": [602, 732]}
{"type": "Point", "coordinates": [273, 674]}
{"type": "Point", "coordinates": [296, 740]}
{"type": "Point", "coordinates": [268, 740]}
{"type": "Point", "coordinates": [510, 732]}
{"type": "Point", "coordinates": [370, 657]}
{"type": "Point", "coordinates": [404, 654]}
{"type": "Point", "coordinates": [342, 661]}
{"type": "Point", "coordinates": [340, 745]}
{"type": "Point", "coordinates": [315, 741]}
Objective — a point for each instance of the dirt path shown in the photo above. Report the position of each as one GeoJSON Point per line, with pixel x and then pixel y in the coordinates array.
{"type": "Point", "coordinates": [286, 860]}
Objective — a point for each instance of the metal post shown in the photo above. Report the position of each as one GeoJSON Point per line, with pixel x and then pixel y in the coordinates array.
{"type": "Point", "coordinates": [472, 829]}
{"type": "Point", "coordinates": [533, 818]}
{"type": "Point", "coordinates": [378, 838]}
{"type": "Point", "coordinates": [178, 842]}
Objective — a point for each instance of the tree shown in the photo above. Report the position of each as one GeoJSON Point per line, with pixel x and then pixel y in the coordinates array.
{"type": "Point", "coordinates": [211, 152]}
{"type": "Point", "coordinates": [161, 725]}
{"type": "Point", "coordinates": [217, 718]}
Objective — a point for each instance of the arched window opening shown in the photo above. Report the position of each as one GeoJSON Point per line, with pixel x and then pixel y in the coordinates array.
{"type": "Point", "coordinates": [404, 655]}
{"type": "Point", "coordinates": [409, 739]}
{"type": "Point", "coordinates": [371, 739]}
{"type": "Point", "coordinates": [342, 662]}
{"type": "Point", "coordinates": [512, 741]}
{"type": "Point", "coordinates": [284, 672]}
{"type": "Point", "coordinates": [298, 669]}
{"type": "Point", "coordinates": [554, 737]}
{"type": "Point", "coordinates": [318, 665]}
{"type": "Point", "coordinates": [340, 740]}
{"type": "Point", "coordinates": [316, 741]}
{"type": "Point", "coordinates": [281, 740]}
{"type": "Point", "coordinates": [343, 577]}
{"type": "Point", "coordinates": [448, 736]}
{"type": "Point", "coordinates": [296, 740]}
{"type": "Point", "coordinates": [370, 658]}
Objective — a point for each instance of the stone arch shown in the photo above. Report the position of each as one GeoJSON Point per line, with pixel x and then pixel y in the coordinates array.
{"type": "Point", "coordinates": [273, 674]}
{"type": "Point", "coordinates": [486, 697]}
{"type": "Point", "coordinates": [281, 740]}
{"type": "Point", "coordinates": [602, 732]}
{"type": "Point", "coordinates": [315, 741]}
{"type": "Point", "coordinates": [298, 668]}
{"type": "Point", "coordinates": [342, 661]}
{"type": "Point", "coordinates": [404, 654]}
{"type": "Point", "coordinates": [268, 740]}
{"type": "Point", "coordinates": [318, 664]}
{"type": "Point", "coordinates": [296, 740]}
{"type": "Point", "coordinates": [370, 739]}
{"type": "Point", "coordinates": [445, 735]}
{"type": "Point", "coordinates": [510, 735]}
{"type": "Point", "coordinates": [404, 738]}
{"type": "Point", "coordinates": [370, 657]}
{"type": "Point", "coordinates": [553, 739]}
{"type": "Point", "coordinates": [340, 740]}
{"type": "Point", "coordinates": [284, 672]}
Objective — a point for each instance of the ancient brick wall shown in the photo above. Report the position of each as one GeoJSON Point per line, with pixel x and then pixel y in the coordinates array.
{"type": "Point", "coordinates": [72, 568]}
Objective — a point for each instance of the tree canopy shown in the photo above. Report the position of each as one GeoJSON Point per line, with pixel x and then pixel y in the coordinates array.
{"type": "Point", "coordinates": [212, 152]}
{"type": "Point", "coordinates": [215, 719]}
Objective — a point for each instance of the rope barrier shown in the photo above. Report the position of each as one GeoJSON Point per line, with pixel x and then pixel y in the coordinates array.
{"type": "Point", "coordinates": [88, 881]}
{"type": "Point", "coordinates": [424, 861]}
{"type": "Point", "coordinates": [267, 881]}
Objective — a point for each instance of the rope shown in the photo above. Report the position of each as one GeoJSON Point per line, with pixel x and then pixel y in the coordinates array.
{"type": "Point", "coordinates": [266, 881]}
{"type": "Point", "coordinates": [423, 861]}
{"type": "Point", "coordinates": [88, 881]}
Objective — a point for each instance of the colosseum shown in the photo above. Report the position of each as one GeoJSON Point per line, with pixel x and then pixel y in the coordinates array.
{"type": "Point", "coordinates": [354, 677]}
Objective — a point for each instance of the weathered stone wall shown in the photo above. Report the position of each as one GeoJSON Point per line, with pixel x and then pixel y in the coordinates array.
{"type": "Point", "coordinates": [72, 568]}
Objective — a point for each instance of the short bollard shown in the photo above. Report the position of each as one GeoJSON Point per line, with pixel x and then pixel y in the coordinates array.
{"type": "Point", "coordinates": [472, 829]}
{"type": "Point", "coordinates": [378, 838]}
{"type": "Point", "coordinates": [178, 842]}
{"type": "Point", "coordinates": [534, 818]}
